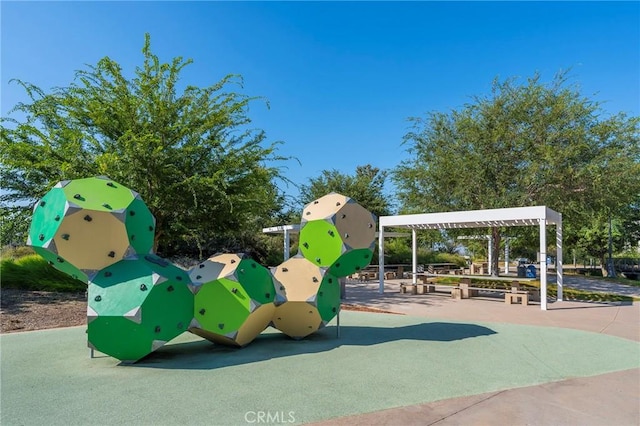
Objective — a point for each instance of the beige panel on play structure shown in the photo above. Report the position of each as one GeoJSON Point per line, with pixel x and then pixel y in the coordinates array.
{"type": "Point", "coordinates": [91, 240]}
{"type": "Point", "coordinates": [213, 337]}
{"type": "Point", "coordinates": [300, 278]}
{"type": "Point", "coordinates": [217, 266]}
{"type": "Point", "coordinates": [356, 225]}
{"type": "Point", "coordinates": [297, 319]}
{"type": "Point", "coordinates": [324, 207]}
{"type": "Point", "coordinates": [255, 324]}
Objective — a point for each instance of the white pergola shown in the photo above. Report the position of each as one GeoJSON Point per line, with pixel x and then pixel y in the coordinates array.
{"type": "Point", "coordinates": [517, 216]}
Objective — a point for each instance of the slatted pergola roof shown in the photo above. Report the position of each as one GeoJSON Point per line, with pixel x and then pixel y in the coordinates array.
{"type": "Point", "coordinates": [540, 216]}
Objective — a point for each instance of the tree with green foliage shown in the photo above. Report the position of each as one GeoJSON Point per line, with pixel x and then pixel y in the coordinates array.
{"type": "Point", "coordinates": [525, 144]}
{"type": "Point", "coordinates": [190, 153]}
{"type": "Point", "coordinates": [366, 187]}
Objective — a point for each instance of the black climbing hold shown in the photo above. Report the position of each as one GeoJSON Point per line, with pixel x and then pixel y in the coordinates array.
{"type": "Point", "coordinates": [170, 288]}
{"type": "Point", "coordinates": [234, 290]}
{"type": "Point", "coordinates": [233, 261]}
{"type": "Point", "coordinates": [318, 260]}
{"type": "Point", "coordinates": [333, 309]}
{"type": "Point", "coordinates": [178, 277]}
{"type": "Point", "coordinates": [112, 254]}
{"type": "Point", "coordinates": [357, 268]}
{"type": "Point", "coordinates": [111, 184]}
{"type": "Point", "coordinates": [60, 260]}
{"type": "Point", "coordinates": [201, 266]}
{"type": "Point", "coordinates": [150, 228]}
{"type": "Point", "coordinates": [107, 274]}
{"type": "Point", "coordinates": [143, 287]}
{"type": "Point", "coordinates": [346, 235]}
{"type": "Point", "coordinates": [316, 202]}
{"type": "Point", "coordinates": [343, 216]}
{"type": "Point", "coordinates": [330, 232]}
{"type": "Point", "coordinates": [50, 262]}
{"type": "Point", "coordinates": [106, 206]}
{"type": "Point", "coordinates": [337, 265]}
{"type": "Point", "coordinates": [371, 225]}
{"type": "Point", "coordinates": [77, 197]}
{"type": "Point", "coordinates": [338, 203]}
{"type": "Point", "coordinates": [157, 329]}
{"type": "Point", "coordinates": [253, 265]}
{"type": "Point", "coordinates": [267, 295]}
{"type": "Point", "coordinates": [88, 218]}
{"type": "Point", "coordinates": [366, 255]}
{"type": "Point", "coordinates": [41, 237]}
{"type": "Point", "coordinates": [198, 277]}
{"type": "Point", "coordinates": [220, 326]}
{"type": "Point", "coordinates": [42, 203]}
{"type": "Point", "coordinates": [97, 298]}
{"type": "Point", "coordinates": [320, 293]}
{"type": "Point", "coordinates": [285, 270]}
{"type": "Point", "coordinates": [202, 311]}
{"type": "Point", "coordinates": [306, 245]}
{"type": "Point", "coordinates": [281, 287]}
{"type": "Point", "coordinates": [57, 218]}
{"type": "Point", "coordinates": [308, 213]}
{"type": "Point", "coordinates": [133, 238]}
{"type": "Point", "coordinates": [315, 280]}
{"type": "Point", "coordinates": [132, 213]}
{"type": "Point", "coordinates": [65, 236]}
{"type": "Point", "coordinates": [311, 312]}
{"type": "Point", "coordinates": [330, 280]}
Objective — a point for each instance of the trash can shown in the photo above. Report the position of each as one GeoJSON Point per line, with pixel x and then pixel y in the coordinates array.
{"type": "Point", "coordinates": [522, 271]}
{"type": "Point", "coordinates": [531, 271]}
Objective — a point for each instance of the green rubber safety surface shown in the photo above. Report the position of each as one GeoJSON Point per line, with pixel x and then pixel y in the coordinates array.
{"type": "Point", "coordinates": [350, 262]}
{"type": "Point", "coordinates": [47, 216]}
{"type": "Point", "coordinates": [328, 298]}
{"type": "Point", "coordinates": [256, 280]}
{"type": "Point", "coordinates": [320, 242]}
{"type": "Point", "coordinates": [140, 225]}
{"type": "Point", "coordinates": [60, 264]}
{"type": "Point", "coordinates": [221, 306]}
{"type": "Point", "coordinates": [98, 194]}
{"type": "Point", "coordinates": [49, 378]}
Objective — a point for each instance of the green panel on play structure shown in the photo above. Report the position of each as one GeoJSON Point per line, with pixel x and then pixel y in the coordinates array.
{"type": "Point", "coordinates": [140, 226]}
{"type": "Point", "coordinates": [120, 288]}
{"type": "Point", "coordinates": [61, 264]}
{"type": "Point", "coordinates": [256, 280]}
{"type": "Point", "coordinates": [168, 310]}
{"type": "Point", "coordinates": [98, 194]}
{"type": "Point", "coordinates": [350, 262]}
{"type": "Point", "coordinates": [121, 338]}
{"type": "Point", "coordinates": [47, 217]}
{"type": "Point", "coordinates": [320, 242]}
{"type": "Point", "coordinates": [221, 306]}
{"type": "Point", "coordinates": [328, 299]}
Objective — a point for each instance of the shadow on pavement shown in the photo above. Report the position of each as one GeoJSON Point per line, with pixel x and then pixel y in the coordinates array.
{"type": "Point", "coordinates": [205, 355]}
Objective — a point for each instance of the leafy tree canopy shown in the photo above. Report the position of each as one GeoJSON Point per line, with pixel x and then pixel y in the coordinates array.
{"type": "Point", "coordinates": [366, 187]}
{"type": "Point", "coordinates": [524, 144]}
{"type": "Point", "coordinates": [189, 152]}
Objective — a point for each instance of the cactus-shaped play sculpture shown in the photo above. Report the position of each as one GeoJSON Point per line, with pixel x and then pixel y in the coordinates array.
{"type": "Point", "coordinates": [102, 233]}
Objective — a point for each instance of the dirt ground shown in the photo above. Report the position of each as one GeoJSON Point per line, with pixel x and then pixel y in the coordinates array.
{"type": "Point", "coordinates": [36, 310]}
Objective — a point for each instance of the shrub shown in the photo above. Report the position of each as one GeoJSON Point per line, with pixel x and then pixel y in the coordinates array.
{"type": "Point", "coordinates": [32, 272]}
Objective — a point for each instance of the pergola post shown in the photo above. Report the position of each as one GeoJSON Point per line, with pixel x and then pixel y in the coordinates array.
{"type": "Point", "coordinates": [559, 267]}
{"type": "Point", "coordinates": [414, 255]}
{"type": "Point", "coordinates": [543, 264]}
{"type": "Point", "coordinates": [381, 259]}
{"type": "Point", "coordinates": [286, 244]}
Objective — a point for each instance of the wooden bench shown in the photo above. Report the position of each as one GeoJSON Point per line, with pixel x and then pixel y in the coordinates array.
{"type": "Point", "coordinates": [523, 296]}
{"type": "Point", "coordinates": [510, 296]}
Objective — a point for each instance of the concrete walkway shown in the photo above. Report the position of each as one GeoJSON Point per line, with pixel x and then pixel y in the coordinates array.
{"type": "Point", "coordinates": [599, 285]}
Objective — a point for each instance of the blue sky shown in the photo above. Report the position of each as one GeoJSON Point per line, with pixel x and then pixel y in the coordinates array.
{"type": "Point", "coordinates": [341, 78]}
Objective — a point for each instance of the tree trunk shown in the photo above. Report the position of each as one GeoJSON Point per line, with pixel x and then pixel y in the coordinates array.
{"type": "Point", "coordinates": [495, 251]}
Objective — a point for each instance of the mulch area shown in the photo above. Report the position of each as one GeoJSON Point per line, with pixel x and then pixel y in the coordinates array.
{"type": "Point", "coordinates": [22, 310]}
